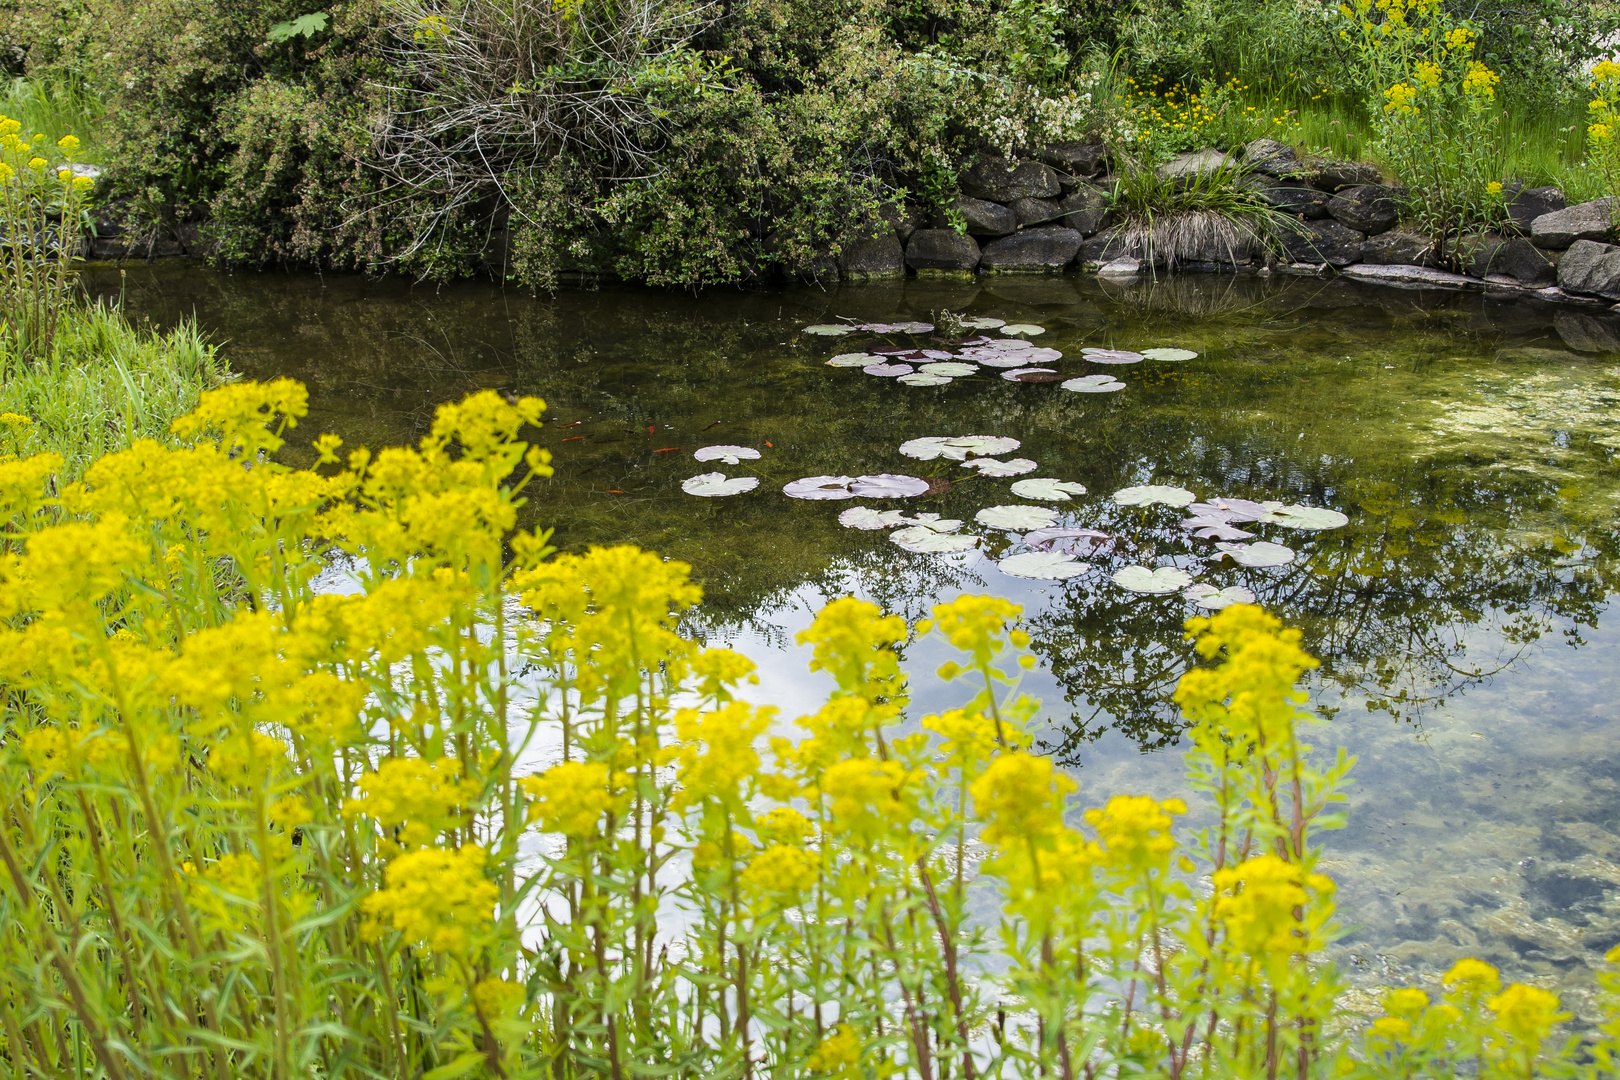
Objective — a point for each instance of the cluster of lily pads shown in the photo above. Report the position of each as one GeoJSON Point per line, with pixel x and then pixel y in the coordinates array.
{"type": "Point", "coordinates": [1045, 549]}
{"type": "Point", "coordinates": [1018, 359]}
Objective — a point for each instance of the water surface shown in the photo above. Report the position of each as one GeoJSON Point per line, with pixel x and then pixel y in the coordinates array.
{"type": "Point", "coordinates": [1463, 616]}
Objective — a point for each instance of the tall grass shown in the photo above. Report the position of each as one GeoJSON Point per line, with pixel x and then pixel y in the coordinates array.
{"type": "Point", "coordinates": [57, 106]}
{"type": "Point", "coordinates": [105, 384]}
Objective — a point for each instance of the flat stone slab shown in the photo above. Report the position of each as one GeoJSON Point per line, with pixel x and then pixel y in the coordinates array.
{"type": "Point", "coordinates": [1420, 276]}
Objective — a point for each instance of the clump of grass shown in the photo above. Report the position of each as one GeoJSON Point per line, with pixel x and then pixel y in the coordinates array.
{"type": "Point", "coordinates": [104, 384]}
{"type": "Point", "coordinates": [1208, 216]}
{"type": "Point", "coordinates": [58, 107]}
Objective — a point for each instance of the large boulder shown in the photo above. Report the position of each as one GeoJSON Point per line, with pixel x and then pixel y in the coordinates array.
{"type": "Point", "coordinates": [1086, 210]}
{"type": "Point", "coordinates": [999, 180]}
{"type": "Point", "coordinates": [904, 218]}
{"type": "Point", "coordinates": [1399, 248]}
{"type": "Point", "coordinates": [1270, 157]}
{"type": "Point", "coordinates": [1190, 166]}
{"type": "Point", "coordinates": [941, 249]}
{"type": "Point", "coordinates": [1524, 204]}
{"type": "Point", "coordinates": [1076, 159]}
{"type": "Point", "coordinates": [1484, 254]}
{"type": "Point", "coordinates": [1325, 241]}
{"type": "Point", "coordinates": [1333, 175]}
{"type": "Point", "coordinates": [1590, 269]}
{"type": "Point", "coordinates": [1368, 208]}
{"type": "Point", "coordinates": [1036, 211]}
{"type": "Point", "coordinates": [1584, 221]}
{"type": "Point", "coordinates": [1588, 333]}
{"type": "Point", "coordinates": [983, 218]}
{"type": "Point", "coordinates": [1045, 249]}
{"type": "Point", "coordinates": [1306, 202]}
{"type": "Point", "coordinates": [872, 259]}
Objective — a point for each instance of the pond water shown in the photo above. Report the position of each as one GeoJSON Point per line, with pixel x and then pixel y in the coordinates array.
{"type": "Point", "coordinates": [1462, 615]}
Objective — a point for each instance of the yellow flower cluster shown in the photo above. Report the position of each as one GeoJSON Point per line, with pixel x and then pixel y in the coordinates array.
{"type": "Point", "coordinates": [572, 798]}
{"type": "Point", "coordinates": [1260, 902]}
{"type": "Point", "coordinates": [1134, 833]}
{"type": "Point", "coordinates": [1480, 81]}
{"type": "Point", "coordinates": [415, 800]}
{"type": "Point", "coordinates": [435, 898]}
{"type": "Point", "coordinates": [1399, 99]}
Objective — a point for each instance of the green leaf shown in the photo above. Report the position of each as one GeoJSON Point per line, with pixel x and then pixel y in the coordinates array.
{"type": "Point", "coordinates": [303, 26]}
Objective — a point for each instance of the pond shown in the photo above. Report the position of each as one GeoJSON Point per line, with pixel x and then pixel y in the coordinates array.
{"type": "Point", "coordinates": [1461, 614]}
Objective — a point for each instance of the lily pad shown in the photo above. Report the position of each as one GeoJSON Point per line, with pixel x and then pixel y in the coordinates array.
{"type": "Point", "coordinates": [1022, 328]}
{"type": "Point", "coordinates": [864, 517]}
{"type": "Point", "coordinates": [1094, 384]}
{"type": "Point", "coordinates": [922, 539]}
{"type": "Point", "coordinates": [888, 371]}
{"type": "Point", "coordinates": [1169, 355]}
{"type": "Point", "coordinates": [1047, 490]}
{"type": "Point", "coordinates": [953, 368]}
{"type": "Point", "coordinates": [852, 359]}
{"type": "Point", "coordinates": [1306, 517]}
{"type": "Point", "coordinates": [1080, 542]}
{"type": "Point", "coordinates": [917, 328]}
{"type": "Point", "coordinates": [1231, 510]}
{"type": "Point", "coordinates": [1205, 529]}
{"type": "Point", "coordinates": [714, 485]}
{"type": "Point", "coordinates": [1042, 565]}
{"type": "Point", "coordinates": [957, 447]}
{"type": "Point", "coordinates": [887, 486]}
{"type": "Point", "coordinates": [731, 455]}
{"type": "Point", "coordinates": [1031, 375]}
{"type": "Point", "coordinates": [997, 358]}
{"type": "Point", "coordinates": [820, 487]}
{"type": "Point", "coordinates": [1259, 553]}
{"type": "Point", "coordinates": [1208, 596]}
{"type": "Point", "coordinates": [982, 322]}
{"type": "Point", "coordinates": [924, 378]}
{"type": "Point", "coordinates": [1016, 518]}
{"type": "Point", "coordinates": [1111, 356]}
{"type": "Point", "coordinates": [829, 329]}
{"type": "Point", "coordinates": [935, 354]}
{"type": "Point", "coordinates": [1166, 579]}
{"type": "Point", "coordinates": [881, 327]}
{"type": "Point", "coordinates": [1042, 356]}
{"type": "Point", "coordinates": [1149, 494]}
{"type": "Point", "coordinates": [1017, 466]}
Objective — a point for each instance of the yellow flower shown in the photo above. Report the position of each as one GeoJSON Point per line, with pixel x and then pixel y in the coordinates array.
{"type": "Point", "coordinates": [435, 898]}
{"type": "Point", "coordinates": [1428, 74]}
{"type": "Point", "coordinates": [1020, 797]}
{"type": "Point", "coordinates": [782, 869]}
{"type": "Point", "coordinates": [1406, 1001]}
{"type": "Point", "coordinates": [1480, 80]}
{"type": "Point", "coordinates": [1527, 1013]}
{"type": "Point", "coordinates": [69, 143]}
{"type": "Point", "coordinates": [1258, 901]}
{"type": "Point", "coordinates": [1469, 976]}
{"type": "Point", "coordinates": [1597, 106]}
{"type": "Point", "coordinates": [37, 163]}
{"type": "Point", "coordinates": [1390, 1029]}
{"type": "Point", "coordinates": [1493, 189]}
{"type": "Point", "coordinates": [14, 420]}
{"type": "Point", "coordinates": [1399, 99]}
{"type": "Point", "coordinates": [868, 798]}
{"type": "Point", "coordinates": [715, 755]}
{"type": "Point", "coordinates": [1134, 831]}
{"type": "Point", "coordinates": [415, 799]}
{"type": "Point", "coordinates": [838, 1054]}
{"type": "Point", "coordinates": [1600, 132]}
{"type": "Point", "coordinates": [571, 798]}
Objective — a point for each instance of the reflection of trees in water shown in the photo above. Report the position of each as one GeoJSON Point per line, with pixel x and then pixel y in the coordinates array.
{"type": "Point", "coordinates": [1398, 604]}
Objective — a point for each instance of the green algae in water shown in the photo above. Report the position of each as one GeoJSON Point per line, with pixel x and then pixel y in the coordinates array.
{"type": "Point", "coordinates": [1462, 613]}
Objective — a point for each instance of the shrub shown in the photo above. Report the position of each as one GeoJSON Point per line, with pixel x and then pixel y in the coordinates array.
{"type": "Point", "coordinates": [490, 814]}
{"type": "Point", "coordinates": [42, 203]}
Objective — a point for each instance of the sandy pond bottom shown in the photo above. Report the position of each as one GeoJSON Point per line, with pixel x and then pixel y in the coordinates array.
{"type": "Point", "coordinates": [1463, 615]}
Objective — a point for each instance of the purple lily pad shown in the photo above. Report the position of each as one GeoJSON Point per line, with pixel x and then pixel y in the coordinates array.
{"type": "Point", "coordinates": [1081, 542]}
{"type": "Point", "coordinates": [888, 486]}
{"type": "Point", "coordinates": [1042, 356]}
{"type": "Point", "coordinates": [1032, 375]}
{"type": "Point", "coordinates": [891, 350]}
{"type": "Point", "coordinates": [820, 487]}
{"type": "Point", "coordinates": [887, 371]}
{"type": "Point", "coordinates": [1112, 356]}
{"type": "Point", "coordinates": [1222, 532]}
{"type": "Point", "coordinates": [937, 354]}
{"type": "Point", "coordinates": [1230, 510]}
{"type": "Point", "coordinates": [882, 327]}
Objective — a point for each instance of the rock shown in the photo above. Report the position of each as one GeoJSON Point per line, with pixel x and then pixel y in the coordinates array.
{"type": "Point", "coordinates": [1333, 175]}
{"type": "Point", "coordinates": [1409, 275]}
{"type": "Point", "coordinates": [872, 259]}
{"type": "Point", "coordinates": [1036, 211]}
{"type": "Point", "coordinates": [193, 240]}
{"type": "Point", "coordinates": [1399, 248]}
{"type": "Point", "coordinates": [999, 180]}
{"type": "Point", "coordinates": [1324, 241]}
{"type": "Point", "coordinates": [1076, 159]}
{"type": "Point", "coordinates": [904, 218]}
{"type": "Point", "coordinates": [1044, 249]}
{"type": "Point", "coordinates": [1104, 247]}
{"type": "Point", "coordinates": [983, 218]}
{"type": "Point", "coordinates": [1588, 333]}
{"type": "Point", "coordinates": [1585, 221]}
{"type": "Point", "coordinates": [1307, 202]}
{"type": "Point", "coordinates": [1197, 163]}
{"type": "Point", "coordinates": [1368, 208]}
{"type": "Point", "coordinates": [1086, 211]}
{"type": "Point", "coordinates": [941, 249]}
{"type": "Point", "coordinates": [1526, 204]}
{"type": "Point", "coordinates": [1590, 269]}
{"type": "Point", "coordinates": [1554, 295]}
{"type": "Point", "coordinates": [1270, 157]}
{"type": "Point", "coordinates": [1124, 266]}
{"type": "Point", "coordinates": [1513, 259]}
